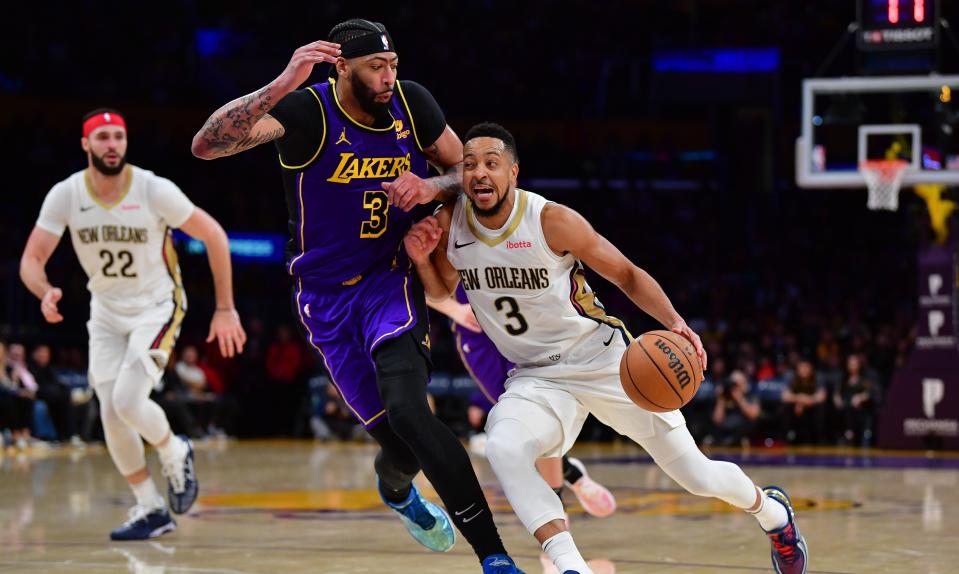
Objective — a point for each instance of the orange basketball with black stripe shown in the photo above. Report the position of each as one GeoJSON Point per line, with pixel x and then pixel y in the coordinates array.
{"type": "Point", "coordinates": [660, 371]}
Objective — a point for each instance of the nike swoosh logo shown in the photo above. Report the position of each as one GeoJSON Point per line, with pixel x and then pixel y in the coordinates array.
{"type": "Point", "coordinates": [465, 520]}
{"type": "Point", "coordinates": [87, 208]}
{"type": "Point", "coordinates": [458, 245]}
{"type": "Point", "coordinates": [465, 510]}
{"type": "Point", "coordinates": [610, 340]}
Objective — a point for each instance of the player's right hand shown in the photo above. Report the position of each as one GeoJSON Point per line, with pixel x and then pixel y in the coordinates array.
{"type": "Point", "coordinates": [422, 239]}
{"type": "Point", "coordinates": [681, 328]}
{"type": "Point", "coordinates": [226, 328]}
{"type": "Point", "coordinates": [48, 305]}
{"type": "Point", "coordinates": [304, 58]}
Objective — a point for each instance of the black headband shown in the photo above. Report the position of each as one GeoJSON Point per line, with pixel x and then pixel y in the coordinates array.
{"type": "Point", "coordinates": [372, 43]}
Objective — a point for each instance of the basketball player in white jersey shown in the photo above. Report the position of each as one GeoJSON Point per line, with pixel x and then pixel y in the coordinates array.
{"type": "Point", "coordinates": [489, 371]}
{"type": "Point", "coordinates": [520, 259]}
{"type": "Point", "coordinates": [120, 218]}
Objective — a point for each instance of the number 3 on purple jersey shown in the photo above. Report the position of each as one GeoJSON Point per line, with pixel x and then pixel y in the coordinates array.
{"type": "Point", "coordinates": [378, 203]}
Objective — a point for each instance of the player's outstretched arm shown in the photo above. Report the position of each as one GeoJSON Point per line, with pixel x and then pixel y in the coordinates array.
{"type": "Point", "coordinates": [446, 154]}
{"type": "Point", "coordinates": [425, 243]}
{"type": "Point", "coordinates": [566, 231]}
{"type": "Point", "coordinates": [33, 263]}
{"type": "Point", "coordinates": [244, 123]}
{"type": "Point", "coordinates": [225, 326]}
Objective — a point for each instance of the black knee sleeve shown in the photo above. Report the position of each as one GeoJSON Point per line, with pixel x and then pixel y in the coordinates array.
{"type": "Point", "coordinates": [402, 373]}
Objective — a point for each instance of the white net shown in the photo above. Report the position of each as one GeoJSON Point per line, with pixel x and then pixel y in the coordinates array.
{"type": "Point", "coordinates": [883, 179]}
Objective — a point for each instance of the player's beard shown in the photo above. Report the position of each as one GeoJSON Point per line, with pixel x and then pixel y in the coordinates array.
{"type": "Point", "coordinates": [365, 96]}
{"type": "Point", "coordinates": [105, 169]}
{"type": "Point", "coordinates": [492, 211]}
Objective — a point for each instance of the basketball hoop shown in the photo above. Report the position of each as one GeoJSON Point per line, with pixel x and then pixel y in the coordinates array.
{"type": "Point", "coordinates": [883, 178]}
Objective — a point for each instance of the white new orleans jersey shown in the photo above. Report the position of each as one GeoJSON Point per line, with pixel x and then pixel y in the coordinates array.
{"type": "Point", "coordinates": [126, 249]}
{"type": "Point", "coordinates": [535, 305]}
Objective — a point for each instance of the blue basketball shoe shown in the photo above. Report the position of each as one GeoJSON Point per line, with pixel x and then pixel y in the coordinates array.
{"type": "Point", "coordinates": [426, 522]}
{"type": "Point", "coordinates": [144, 523]}
{"type": "Point", "coordinates": [500, 564]}
{"type": "Point", "coordinates": [182, 485]}
{"type": "Point", "coordinates": [789, 552]}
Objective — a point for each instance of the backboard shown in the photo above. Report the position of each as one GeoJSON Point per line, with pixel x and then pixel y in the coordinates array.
{"type": "Point", "coordinates": [846, 121]}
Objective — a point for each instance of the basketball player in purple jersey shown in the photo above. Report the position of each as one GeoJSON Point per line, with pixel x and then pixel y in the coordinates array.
{"type": "Point", "coordinates": [490, 369]}
{"type": "Point", "coordinates": [355, 152]}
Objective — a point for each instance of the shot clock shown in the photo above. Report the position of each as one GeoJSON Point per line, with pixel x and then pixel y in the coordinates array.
{"type": "Point", "coordinates": [898, 24]}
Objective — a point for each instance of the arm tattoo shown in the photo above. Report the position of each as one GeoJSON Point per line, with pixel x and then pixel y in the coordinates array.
{"type": "Point", "coordinates": [450, 183]}
{"type": "Point", "coordinates": [253, 141]}
{"type": "Point", "coordinates": [227, 131]}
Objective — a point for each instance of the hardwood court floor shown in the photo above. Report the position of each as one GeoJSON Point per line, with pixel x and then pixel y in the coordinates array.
{"type": "Point", "coordinates": [288, 507]}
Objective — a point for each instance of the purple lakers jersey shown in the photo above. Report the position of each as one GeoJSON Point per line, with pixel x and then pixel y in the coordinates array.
{"type": "Point", "coordinates": [342, 224]}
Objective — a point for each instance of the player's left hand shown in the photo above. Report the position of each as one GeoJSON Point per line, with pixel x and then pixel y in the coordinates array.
{"type": "Point", "coordinates": [422, 238]}
{"type": "Point", "coordinates": [681, 328]}
{"type": "Point", "coordinates": [227, 330]}
{"type": "Point", "coordinates": [409, 190]}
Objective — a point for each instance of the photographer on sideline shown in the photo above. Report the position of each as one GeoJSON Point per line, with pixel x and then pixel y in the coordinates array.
{"type": "Point", "coordinates": [736, 411]}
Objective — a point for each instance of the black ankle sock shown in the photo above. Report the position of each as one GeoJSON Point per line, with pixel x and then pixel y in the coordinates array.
{"type": "Point", "coordinates": [395, 496]}
{"type": "Point", "coordinates": [571, 474]}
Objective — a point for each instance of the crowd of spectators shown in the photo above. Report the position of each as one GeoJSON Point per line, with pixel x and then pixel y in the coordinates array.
{"type": "Point", "coordinates": [260, 394]}
{"type": "Point", "coordinates": [33, 386]}
{"type": "Point", "coordinates": [799, 401]}
{"type": "Point", "coordinates": [766, 384]}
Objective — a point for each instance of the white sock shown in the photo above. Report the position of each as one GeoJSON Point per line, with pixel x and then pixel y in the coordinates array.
{"type": "Point", "coordinates": [173, 449]}
{"type": "Point", "coordinates": [563, 552]}
{"type": "Point", "coordinates": [147, 494]}
{"type": "Point", "coordinates": [771, 514]}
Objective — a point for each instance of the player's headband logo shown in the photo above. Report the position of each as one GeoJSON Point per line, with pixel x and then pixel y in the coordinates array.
{"type": "Point", "coordinates": [104, 119]}
{"type": "Point", "coordinates": [367, 44]}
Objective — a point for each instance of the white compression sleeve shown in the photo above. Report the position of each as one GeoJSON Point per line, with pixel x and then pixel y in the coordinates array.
{"type": "Point", "coordinates": [123, 442]}
{"type": "Point", "coordinates": [512, 451]}
{"type": "Point", "coordinates": [131, 399]}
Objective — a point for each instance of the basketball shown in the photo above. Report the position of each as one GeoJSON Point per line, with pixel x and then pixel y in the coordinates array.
{"type": "Point", "coordinates": [660, 371]}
